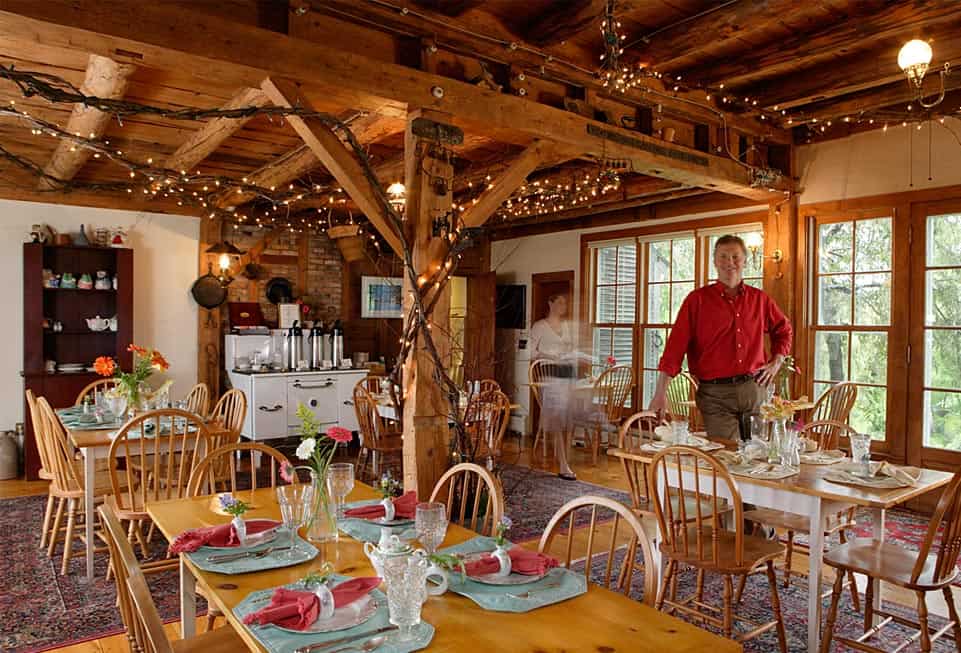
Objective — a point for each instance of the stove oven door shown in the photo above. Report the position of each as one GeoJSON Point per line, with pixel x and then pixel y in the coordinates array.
{"type": "Point", "coordinates": [318, 393]}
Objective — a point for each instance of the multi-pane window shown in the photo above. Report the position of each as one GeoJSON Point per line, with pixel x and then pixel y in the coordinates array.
{"type": "Point", "coordinates": [853, 315]}
{"type": "Point", "coordinates": [942, 332]}
{"type": "Point", "coordinates": [753, 267]}
{"type": "Point", "coordinates": [614, 303]}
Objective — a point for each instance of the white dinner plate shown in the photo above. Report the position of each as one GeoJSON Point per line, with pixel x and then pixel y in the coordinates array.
{"type": "Point", "coordinates": [494, 579]}
{"type": "Point", "coordinates": [343, 618]}
{"type": "Point", "coordinates": [252, 540]}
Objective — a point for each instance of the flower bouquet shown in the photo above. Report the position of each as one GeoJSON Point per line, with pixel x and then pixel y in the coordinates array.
{"type": "Point", "coordinates": [131, 387]}
{"type": "Point", "coordinates": [779, 408]}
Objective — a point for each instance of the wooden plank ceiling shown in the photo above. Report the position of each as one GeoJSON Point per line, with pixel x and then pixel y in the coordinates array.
{"type": "Point", "coordinates": [528, 68]}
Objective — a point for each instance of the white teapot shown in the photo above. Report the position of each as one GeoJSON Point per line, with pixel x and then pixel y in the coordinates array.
{"type": "Point", "coordinates": [391, 547]}
{"type": "Point", "coordinates": [98, 323]}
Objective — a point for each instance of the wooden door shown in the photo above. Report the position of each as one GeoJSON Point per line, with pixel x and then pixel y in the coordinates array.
{"type": "Point", "coordinates": [543, 287]}
{"type": "Point", "coordinates": [479, 327]}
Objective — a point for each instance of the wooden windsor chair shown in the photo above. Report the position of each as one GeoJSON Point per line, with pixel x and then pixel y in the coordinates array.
{"type": "Point", "coordinates": [374, 441]}
{"type": "Point", "coordinates": [701, 541]}
{"type": "Point", "coordinates": [373, 384]}
{"type": "Point", "coordinates": [486, 418]}
{"type": "Point", "coordinates": [145, 628]}
{"type": "Point", "coordinates": [930, 569]}
{"type": "Point", "coordinates": [198, 399]}
{"type": "Point", "coordinates": [611, 390]}
{"type": "Point", "coordinates": [229, 412]}
{"type": "Point", "coordinates": [562, 526]}
{"type": "Point", "coordinates": [836, 403]}
{"type": "Point", "coordinates": [488, 385]}
{"type": "Point", "coordinates": [474, 498]}
{"type": "Point", "coordinates": [67, 485]}
{"type": "Point", "coordinates": [539, 373]}
{"type": "Point", "coordinates": [45, 472]}
{"type": "Point", "coordinates": [100, 385]}
{"type": "Point", "coordinates": [827, 434]}
{"type": "Point", "coordinates": [161, 448]}
{"type": "Point", "coordinates": [681, 392]}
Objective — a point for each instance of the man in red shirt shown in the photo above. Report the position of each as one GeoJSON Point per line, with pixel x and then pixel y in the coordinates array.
{"type": "Point", "coordinates": [721, 329]}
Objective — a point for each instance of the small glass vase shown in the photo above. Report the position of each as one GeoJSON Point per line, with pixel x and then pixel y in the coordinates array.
{"type": "Point", "coordinates": [776, 438]}
{"type": "Point", "coordinates": [322, 523]}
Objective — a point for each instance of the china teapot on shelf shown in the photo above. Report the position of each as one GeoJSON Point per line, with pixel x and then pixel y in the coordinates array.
{"type": "Point", "coordinates": [98, 323]}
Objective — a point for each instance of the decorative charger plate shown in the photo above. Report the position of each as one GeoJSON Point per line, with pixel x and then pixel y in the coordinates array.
{"type": "Point", "coordinates": [254, 540]}
{"type": "Point", "coordinates": [494, 579]}
{"type": "Point", "coordinates": [353, 614]}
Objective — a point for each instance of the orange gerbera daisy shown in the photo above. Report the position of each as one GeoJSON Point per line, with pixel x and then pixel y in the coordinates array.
{"type": "Point", "coordinates": [158, 361]}
{"type": "Point", "coordinates": [105, 366]}
{"type": "Point", "coordinates": [137, 349]}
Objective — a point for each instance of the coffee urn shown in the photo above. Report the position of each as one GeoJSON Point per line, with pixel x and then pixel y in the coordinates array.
{"type": "Point", "coordinates": [293, 346]}
{"type": "Point", "coordinates": [337, 353]}
{"type": "Point", "coordinates": [316, 339]}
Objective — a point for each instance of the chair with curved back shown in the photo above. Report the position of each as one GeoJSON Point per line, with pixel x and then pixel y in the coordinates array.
{"type": "Point", "coordinates": [486, 419]}
{"type": "Point", "coordinates": [161, 449]}
{"type": "Point", "coordinates": [540, 372]}
{"type": "Point", "coordinates": [198, 399]}
{"type": "Point", "coordinates": [827, 434]}
{"type": "Point", "coordinates": [636, 432]}
{"type": "Point", "coordinates": [475, 499]}
{"type": "Point", "coordinates": [563, 525]}
{"type": "Point", "coordinates": [373, 384]}
{"type": "Point", "coordinates": [100, 385]}
{"type": "Point", "coordinates": [701, 541]}
{"type": "Point", "coordinates": [374, 441]}
{"type": "Point", "coordinates": [836, 403]}
{"type": "Point", "coordinates": [145, 628]}
{"type": "Point", "coordinates": [488, 385]}
{"type": "Point", "coordinates": [45, 472]}
{"type": "Point", "coordinates": [611, 390]}
{"type": "Point", "coordinates": [680, 397]}
{"type": "Point", "coordinates": [930, 569]}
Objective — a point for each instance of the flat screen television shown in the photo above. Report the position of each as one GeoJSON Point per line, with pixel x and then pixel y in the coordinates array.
{"type": "Point", "coordinates": [511, 309]}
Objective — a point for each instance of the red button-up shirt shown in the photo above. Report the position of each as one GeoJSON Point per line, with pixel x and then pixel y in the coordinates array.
{"type": "Point", "coordinates": [723, 335]}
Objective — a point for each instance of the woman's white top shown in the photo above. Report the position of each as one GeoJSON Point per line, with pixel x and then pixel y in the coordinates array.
{"type": "Point", "coordinates": [548, 343]}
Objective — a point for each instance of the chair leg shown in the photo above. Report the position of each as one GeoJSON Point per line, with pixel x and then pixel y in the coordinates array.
{"type": "Point", "coordinates": [662, 593]}
{"type": "Point", "coordinates": [699, 588]}
{"type": "Point", "coordinates": [776, 607]}
{"type": "Point", "coordinates": [211, 618]}
{"type": "Point", "coordinates": [869, 605]}
{"type": "Point", "coordinates": [923, 622]}
{"type": "Point", "coordinates": [742, 581]}
{"type": "Point", "coordinates": [953, 614]}
{"type": "Point", "coordinates": [595, 446]}
{"type": "Point", "coordinates": [789, 552]}
{"type": "Point", "coordinates": [68, 539]}
{"type": "Point", "coordinates": [728, 607]}
{"type": "Point", "coordinates": [55, 531]}
{"type": "Point", "coordinates": [47, 517]}
{"type": "Point", "coordinates": [855, 599]}
{"type": "Point", "coordinates": [828, 633]}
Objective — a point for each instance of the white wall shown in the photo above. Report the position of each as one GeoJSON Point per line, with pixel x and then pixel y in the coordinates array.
{"type": "Point", "coordinates": [165, 265]}
{"type": "Point", "coordinates": [878, 162]}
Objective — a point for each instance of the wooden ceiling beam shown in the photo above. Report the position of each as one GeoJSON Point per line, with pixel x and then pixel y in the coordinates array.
{"type": "Point", "coordinates": [283, 169]}
{"type": "Point", "coordinates": [208, 138]}
{"type": "Point", "coordinates": [868, 23]}
{"type": "Point", "coordinates": [553, 27]}
{"type": "Point", "coordinates": [340, 161]}
{"type": "Point", "coordinates": [244, 55]}
{"type": "Point", "coordinates": [450, 8]}
{"type": "Point", "coordinates": [104, 78]}
{"type": "Point", "coordinates": [504, 184]}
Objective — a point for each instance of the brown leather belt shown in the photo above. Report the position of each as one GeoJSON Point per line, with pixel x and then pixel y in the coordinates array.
{"type": "Point", "coordinates": [729, 380]}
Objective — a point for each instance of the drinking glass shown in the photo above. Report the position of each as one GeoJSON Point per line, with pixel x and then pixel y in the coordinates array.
{"type": "Point", "coordinates": [759, 428]}
{"type": "Point", "coordinates": [681, 431]}
{"type": "Point", "coordinates": [406, 578]}
{"type": "Point", "coordinates": [295, 504]}
{"type": "Point", "coordinates": [430, 522]}
{"type": "Point", "coordinates": [340, 480]}
{"type": "Point", "coordinates": [861, 453]}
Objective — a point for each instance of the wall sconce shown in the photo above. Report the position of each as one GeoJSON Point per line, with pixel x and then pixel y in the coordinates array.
{"type": "Point", "coordinates": [753, 241]}
{"type": "Point", "coordinates": [397, 196]}
{"type": "Point", "coordinates": [224, 251]}
{"type": "Point", "coordinates": [914, 59]}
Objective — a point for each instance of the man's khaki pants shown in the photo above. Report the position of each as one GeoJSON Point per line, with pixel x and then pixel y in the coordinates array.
{"type": "Point", "coordinates": [726, 407]}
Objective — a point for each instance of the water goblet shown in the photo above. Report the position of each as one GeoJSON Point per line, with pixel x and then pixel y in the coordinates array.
{"type": "Point", "coordinates": [340, 480]}
{"type": "Point", "coordinates": [681, 431]}
{"type": "Point", "coordinates": [430, 522]}
{"type": "Point", "coordinates": [861, 453]}
{"type": "Point", "coordinates": [295, 503]}
{"type": "Point", "coordinates": [759, 428]}
{"type": "Point", "coordinates": [406, 578]}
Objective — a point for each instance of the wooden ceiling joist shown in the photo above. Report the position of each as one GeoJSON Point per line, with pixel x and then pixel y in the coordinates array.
{"type": "Point", "coordinates": [283, 169]}
{"type": "Point", "coordinates": [209, 137]}
{"type": "Point", "coordinates": [335, 156]}
{"type": "Point", "coordinates": [502, 186]}
{"type": "Point", "coordinates": [104, 78]}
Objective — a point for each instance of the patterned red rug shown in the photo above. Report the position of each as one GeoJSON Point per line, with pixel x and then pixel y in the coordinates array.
{"type": "Point", "coordinates": [39, 608]}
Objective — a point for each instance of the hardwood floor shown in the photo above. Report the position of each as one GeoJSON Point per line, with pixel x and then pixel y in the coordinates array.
{"type": "Point", "coordinates": [608, 473]}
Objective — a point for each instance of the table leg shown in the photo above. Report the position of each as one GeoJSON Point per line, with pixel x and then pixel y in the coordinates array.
{"type": "Point", "coordinates": [188, 601]}
{"type": "Point", "coordinates": [89, 487]}
{"type": "Point", "coordinates": [877, 518]}
{"type": "Point", "coordinates": [814, 575]}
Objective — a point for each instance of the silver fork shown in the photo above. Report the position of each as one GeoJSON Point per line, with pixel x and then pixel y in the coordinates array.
{"type": "Point", "coordinates": [529, 593]}
{"type": "Point", "coordinates": [256, 555]}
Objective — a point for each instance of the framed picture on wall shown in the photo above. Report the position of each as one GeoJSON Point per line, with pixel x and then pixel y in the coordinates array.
{"type": "Point", "coordinates": [381, 297]}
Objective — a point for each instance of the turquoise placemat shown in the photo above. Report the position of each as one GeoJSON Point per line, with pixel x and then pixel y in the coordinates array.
{"type": "Point", "coordinates": [282, 641]}
{"type": "Point", "coordinates": [558, 585]}
{"type": "Point", "coordinates": [303, 551]}
{"type": "Point", "coordinates": [366, 531]}
{"type": "Point", "coordinates": [74, 419]}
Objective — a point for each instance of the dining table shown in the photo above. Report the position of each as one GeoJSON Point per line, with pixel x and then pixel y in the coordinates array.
{"type": "Point", "coordinates": [809, 493]}
{"type": "Point", "coordinates": [93, 443]}
{"type": "Point", "coordinates": [598, 620]}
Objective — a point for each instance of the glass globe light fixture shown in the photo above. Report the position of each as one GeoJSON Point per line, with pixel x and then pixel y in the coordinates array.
{"type": "Point", "coordinates": [914, 59]}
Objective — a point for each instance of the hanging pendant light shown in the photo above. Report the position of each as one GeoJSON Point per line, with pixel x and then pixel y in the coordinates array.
{"type": "Point", "coordinates": [914, 59]}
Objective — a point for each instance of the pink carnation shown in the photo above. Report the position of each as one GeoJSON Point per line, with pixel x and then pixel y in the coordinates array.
{"type": "Point", "coordinates": [339, 434]}
{"type": "Point", "coordinates": [287, 472]}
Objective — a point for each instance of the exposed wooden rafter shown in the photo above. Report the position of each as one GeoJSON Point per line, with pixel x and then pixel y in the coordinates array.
{"type": "Point", "coordinates": [552, 27]}
{"type": "Point", "coordinates": [502, 186]}
{"type": "Point", "coordinates": [104, 78]}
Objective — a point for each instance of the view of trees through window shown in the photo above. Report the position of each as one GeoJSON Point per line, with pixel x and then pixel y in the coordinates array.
{"type": "Point", "coordinates": [853, 315]}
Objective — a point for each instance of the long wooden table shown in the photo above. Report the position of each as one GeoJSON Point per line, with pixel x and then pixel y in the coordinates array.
{"type": "Point", "coordinates": [809, 493]}
{"type": "Point", "coordinates": [600, 620]}
{"type": "Point", "coordinates": [94, 445]}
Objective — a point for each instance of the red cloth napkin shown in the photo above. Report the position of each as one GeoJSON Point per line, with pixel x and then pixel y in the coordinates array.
{"type": "Point", "coordinates": [404, 507]}
{"type": "Point", "coordinates": [523, 561]}
{"type": "Point", "coordinates": [298, 610]}
{"type": "Point", "coordinates": [222, 535]}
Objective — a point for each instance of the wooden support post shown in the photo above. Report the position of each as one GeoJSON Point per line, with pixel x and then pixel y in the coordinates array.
{"type": "Point", "coordinates": [208, 320]}
{"type": "Point", "coordinates": [426, 432]}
